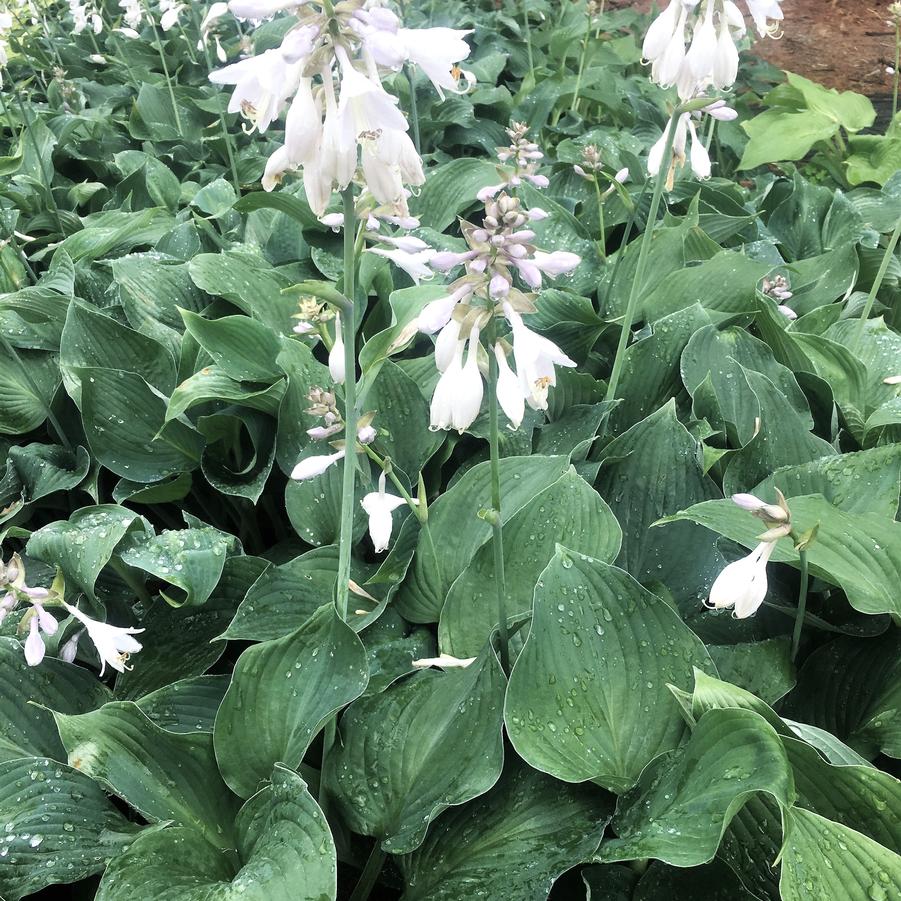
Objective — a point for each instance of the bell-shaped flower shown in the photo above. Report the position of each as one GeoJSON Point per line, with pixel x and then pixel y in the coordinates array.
{"type": "Point", "coordinates": [436, 51]}
{"type": "Point", "coordinates": [114, 644]}
{"type": "Point", "coordinates": [69, 651]}
{"type": "Point", "coordinates": [303, 125]}
{"type": "Point", "coordinates": [416, 265]}
{"type": "Point", "coordinates": [509, 389]}
{"type": "Point", "coordinates": [700, 158]}
{"type": "Point", "coordinates": [762, 11]}
{"type": "Point", "coordinates": [535, 357]}
{"type": "Point", "coordinates": [170, 10]}
{"type": "Point", "coordinates": [40, 621]}
{"type": "Point", "coordinates": [560, 262]}
{"type": "Point", "coordinates": [458, 394]}
{"type": "Point", "coordinates": [311, 467]}
{"type": "Point", "coordinates": [668, 65]}
{"type": "Point", "coordinates": [743, 584]}
{"type": "Point", "coordinates": [701, 54]}
{"type": "Point", "coordinates": [336, 355]}
{"type": "Point", "coordinates": [436, 314]}
{"type": "Point", "coordinates": [661, 31]}
{"type": "Point", "coordinates": [447, 345]}
{"type": "Point", "coordinates": [379, 507]}
{"type": "Point", "coordinates": [725, 66]}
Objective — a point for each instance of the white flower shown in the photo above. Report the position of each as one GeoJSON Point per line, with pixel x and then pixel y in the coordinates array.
{"type": "Point", "coordinates": [364, 106]}
{"type": "Point", "coordinates": [69, 651]}
{"type": "Point", "coordinates": [700, 159]}
{"type": "Point", "coordinates": [170, 10]}
{"type": "Point", "coordinates": [133, 15]}
{"type": "Point", "coordinates": [458, 394]}
{"type": "Point", "coordinates": [763, 10]}
{"type": "Point", "coordinates": [311, 467]}
{"type": "Point", "coordinates": [260, 9]}
{"type": "Point", "coordinates": [445, 661]}
{"type": "Point", "coordinates": [379, 507]}
{"type": "Point", "coordinates": [535, 358]}
{"type": "Point", "coordinates": [510, 394]}
{"type": "Point", "coordinates": [416, 265]}
{"type": "Point", "coordinates": [436, 51]}
{"type": "Point", "coordinates": [701, 56]}
{"type": "Point", "coordinates": [787, 312]}
{"type": "Point", "coordinates": [336, 355]}
{"type": "Point", "coordinates": [560, 262]}
{"type": "Point", "coordinates": [447, 345]}
{"type": "Point", "coordinates": [303, 125]}
{"type": "Point", "coordinates": [743, 584]}
{"type": "Point", "coordinates": [41, 621]}
{"type": "Point", "coordinates": [114, 644]}
{"type": "Point", "coordinates": [436, 314]}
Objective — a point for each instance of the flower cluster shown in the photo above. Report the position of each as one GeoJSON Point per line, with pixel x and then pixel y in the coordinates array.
{"type": "Point", "coordinates": [324, 405]}
{"type": "Point", "coordinates": [687, 144]}
{"type": "Point", "coordinates": [519, 163]}
{"type": "Point", "coordinates": [327, 75]}
{"type": "Point", "coordinates": [114, 645]}
{"type": "Point", "coordinates": [779, 290]}
{"type": "Point", "coordinates": [85, 15]}
{"type": "Point", "coordinates": [743, 584]}
{"type": "Point", "coordinates": [692, 43]}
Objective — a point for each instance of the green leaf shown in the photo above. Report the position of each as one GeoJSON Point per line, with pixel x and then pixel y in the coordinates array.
{"type": "Point", "coordinates": [526, 817]}
{"type": "Point", "coordinates": [26, 726]}
{"type": "Point", "coordinates": [783, 439]}
{"type": "Point", "coordinates": [685, 799]}
{"type": "Point", "coordinates": [162, 775]}
{"type": "Point", "coordinates": [652, 468]}
{"type": "Point", "coordinates": [43, 469]}
{"type": "Point", "coordinates": [243, 348]}
{"type": "Point", "coordinates": [725, 356]}
{"type": "Point", "coordinates": [285, 853]}
{"type": "Point", "coordinates": [454, 532]}
{"type": "Point", "coordinates": [861, 552]}
{"type": "Point", "coordinates": [125, 423]}
{"type": "Point", "coordinates": [212, 385]}
{"type": "Point", "coordinates": [91, 339]}
{"type": "Point", "coordinates": [187, 705]}
{"type": "Point", "coordinates": [852, 688]}
{"type": "Point", "coordinates": [780, 134]}
{"type": "Point", "coordinates": [588, 696]}
{"type": "Point", "coordinates": [570, 512]}
{"type": "Point", "coordinates": [179, 642]}
{"type": "Point", "coordinates": [282, 201]}
{"type": "Point", "coordinates": [28, 382]}
{"type": "Point", "coordinates": [82, 546]}
{"type": "Point", "coordinates": [59, 826]}
{"type": "Point", "coordinates": [281, 694]}
{"type": "Point", "coordinates": [426, 743]}
{"type": "Point", "coordinates": [860, 868]}
{"type": "Point", "coordinates": [450, 189]}
{"type": "Point", "coordinates": [762, 667]}
{"type": "Point", "coordinates": [190, 559]}
{"type": "Point", "coordinates": [863, 482]}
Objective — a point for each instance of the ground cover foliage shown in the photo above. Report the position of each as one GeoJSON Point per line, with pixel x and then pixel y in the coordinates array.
{"type": "Point", "coordinates": [155, 401]}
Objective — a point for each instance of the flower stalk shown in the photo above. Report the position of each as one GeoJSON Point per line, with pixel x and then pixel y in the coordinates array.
{"type": "Point", "coordinates": [644, 249]}
{"type": "Point", "coordinates": [877, 284]}
{"type": "Point", "coordinates": [165, 65]}
{"type": "Point", "coordinates": [802, 604]}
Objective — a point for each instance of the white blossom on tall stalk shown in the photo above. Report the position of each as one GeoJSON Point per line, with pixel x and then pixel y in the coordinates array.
{"type": "Point", "coordinates": [132, 14]}
{"type": "Point", "coordinates": [692, 44]}
{"type": "Point", "coordinates": [340, 124]}
{"type": "Point", "coordinates": [742, 585]}
{"type": "Point", "coordinates": [170, 10]}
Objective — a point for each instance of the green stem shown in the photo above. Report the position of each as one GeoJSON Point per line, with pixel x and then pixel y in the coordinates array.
{"type": "Point", "coordinates": [877, 284]}
{"type": "Point", "coordinates": [414, 110]}
{"type": "Point", "coordinates": [638, 280]}
{"type": "Point", "coordinates": [493, 441]}
{"type": "Point", "coordinates": [51, 416]}
{"type": "Point", "coordinates": [802, 605]}
{"type": "Point", "coordinates": [348, 323]}
{"type": "Point", "coordinates": [17, 249]}
{"type": "Point", "coordinates": [582, 60]}
{"type": "Point", "coordinates": [370, 874]}
{"type": "Point", "coordinates": [602, 229]}
{"type": "Point", "coordinates": [525, 16]}
{"type": "Point", "coordinates": [165, 65]}
{"type": "Point", "coordinates": [229, 146]}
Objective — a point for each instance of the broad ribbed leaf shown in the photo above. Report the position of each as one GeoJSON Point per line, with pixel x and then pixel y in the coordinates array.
{"type": "Point", "coordinates": [588, 695]}
{"type": "Point", "coordinates": [424, 744]}
{"type": "Point", "coordinates": [281, 694]}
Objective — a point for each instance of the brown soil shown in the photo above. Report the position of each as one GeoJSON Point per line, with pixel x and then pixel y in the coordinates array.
{"type": "Point", "coordinates": [844, 44]}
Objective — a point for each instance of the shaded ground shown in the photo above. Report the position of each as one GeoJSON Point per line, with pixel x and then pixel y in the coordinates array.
{"type": "Point", "coordinates": [844, 44]}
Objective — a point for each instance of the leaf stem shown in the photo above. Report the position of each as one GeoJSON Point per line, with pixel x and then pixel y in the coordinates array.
{"type": "Point", "coordinates": [496, 523]}
{"type": "Point", "coordinates": [641, 266]}
{"type": "Point", "coordinates": [525, 17]}
{"type": "Point", "coordinates": [370, 874]}
{"type": "Point", "coordinates": [802, 605]}
{"type": "Point", "coordinates": [582, 59]}
{"type": "Point", "coordinates": [877, 284]}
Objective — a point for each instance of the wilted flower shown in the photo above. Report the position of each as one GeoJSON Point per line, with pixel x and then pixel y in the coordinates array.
{"type": "Point", "coordinates": [311, 467]}
{"type": "Point", "coordinates": [444, 661]}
